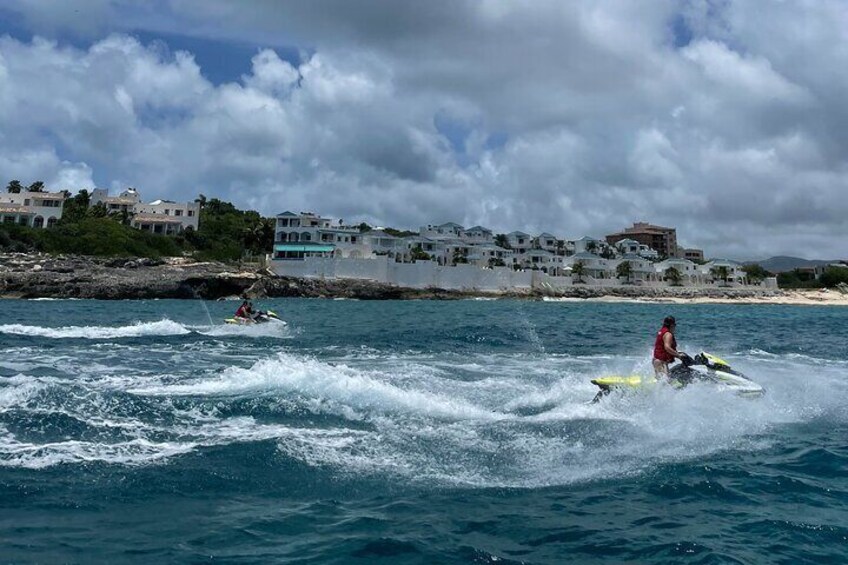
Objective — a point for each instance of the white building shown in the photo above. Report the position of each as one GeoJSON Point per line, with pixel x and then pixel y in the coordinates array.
{"type": "Point", "coordinates": [689, 271]}
{"type": "Point", "coordinates": [478, 235]}
{"type": "Point", "coordinates": [308, 235]}
{"type": "Point", "coordinates": [489, 255]}
{"type": "Point", "coordinates": [627, 246]}
{"type": "Point", "coordinates": [33, 209]}
{"type": "Point", "coordinates": [547, 242]}
{"type": "Point", "coordinates": [541, 259]}
{"type": "Point", "coordinates": [713, 268]}
{"type": "Point", "coordinates": [594, 266]}
{"type": "Point", "coordinates": [519, 241]}
{"type": "Point", "coordinates": [449, 230]}
{"type": "Point", "coordinates": [432, 247]}
{"type": "Point", "coordinates": [588, 244]}
{"type": "Point", "coordinates": [641, 270]}
{"type": "Point", "coordinates": [160, 216]}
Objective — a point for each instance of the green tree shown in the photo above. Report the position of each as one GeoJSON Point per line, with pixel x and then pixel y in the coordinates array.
{"type": "Point", "coordinates": [496, 262]}
{"type": "Point", "coordinates": [76, 207]}
{"type": "Point", "coordinates": [502, 241]}
{"type": "Point", "coordinates": [460, 256]}
{"type": "Point", "coordinates": [201, 199]}
{"type": "Point", "coordinates": [418, 254]}
{"type": "Point", "coordinates": [14, 187]}
{"type": "Point", "coordinates": [673, 276]}
{"type": "Point", "coordinates": [578, 269]}
{"type": "Point", "coordinates": [624, 270]}
{"type": "Point", "coordinates": [755, 273]}
{"type": "Point", "coordinates": [833, 276]}
{"type": "Point", "coordinates": [399, 233]}
{"type": "Point", "coordinates": [98, 211]}
{"type": "Point", "coordinates": [721, 273]}
{"type": "Point", "coordinates": [591, 246]}
{"type": "Point", "coordinates": [363, 227]}
{"type": "Point", "coordinates": [37, 186]}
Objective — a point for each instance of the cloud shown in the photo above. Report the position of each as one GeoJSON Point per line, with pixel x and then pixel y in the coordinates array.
{"type": "Point", "coordinates": [573, 118]}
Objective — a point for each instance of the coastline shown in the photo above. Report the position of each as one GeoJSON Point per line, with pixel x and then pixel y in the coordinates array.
{"type": "Point", "coordinates": [32, 276]}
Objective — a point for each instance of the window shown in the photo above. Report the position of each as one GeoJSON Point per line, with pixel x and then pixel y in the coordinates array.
{"type": "Point", "coordinates": [178, 212]}
{"type": "Point", "coordinates": [26, 202]}
{"type": "Point", "coordinates": [191, 213]}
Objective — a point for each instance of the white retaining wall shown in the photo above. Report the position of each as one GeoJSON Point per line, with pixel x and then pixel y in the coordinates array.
{"type": "Point", "coordinates": [428, 274]}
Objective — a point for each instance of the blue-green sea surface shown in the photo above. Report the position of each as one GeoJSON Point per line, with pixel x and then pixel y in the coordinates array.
{"type": "Point", "coordinates": [416, 432]}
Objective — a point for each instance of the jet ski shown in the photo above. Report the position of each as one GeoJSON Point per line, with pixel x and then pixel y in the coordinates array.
{"type": "Point", "coordinates": [260, 318]}
{"type": "Point", "coordinates": [704, 367]}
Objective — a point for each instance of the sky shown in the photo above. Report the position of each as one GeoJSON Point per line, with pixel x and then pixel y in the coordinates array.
{"type": "Point", "coordinates": [725, 119]}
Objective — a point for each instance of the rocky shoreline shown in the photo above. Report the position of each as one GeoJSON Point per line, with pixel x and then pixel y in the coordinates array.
{"type": "Point", "coordinates": [43, 276]}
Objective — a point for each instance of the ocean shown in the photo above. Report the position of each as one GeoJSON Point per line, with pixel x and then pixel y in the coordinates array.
{"type": "Point", "coordinates": [416, 432]}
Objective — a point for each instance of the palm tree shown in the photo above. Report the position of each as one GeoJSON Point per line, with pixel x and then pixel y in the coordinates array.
{"type": "Point", "coordinates": [721, 273]}
{"type": "Point", "coordinates": [37, 186]}
{"type": "Point", "coordinates": [624, 269]}
{"type": "Point", "coordinates": [14, 187]}
{"type": "Point", "coordinates": [673, 276]}
{"type": "Point", "coordinates": [578, 269]}
{"type": "Point", "coordinates": [501, 241]}
{"type": "Point", "coordinates": [591, 246]}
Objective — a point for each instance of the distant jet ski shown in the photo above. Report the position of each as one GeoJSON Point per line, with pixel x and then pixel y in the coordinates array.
{"type": "Point", "coordinates": [259, 318]}
{"type": "Point", "coordinates": [704, 367]}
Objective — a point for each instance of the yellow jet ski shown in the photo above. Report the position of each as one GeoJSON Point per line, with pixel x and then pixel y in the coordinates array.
{"type": "Point", "coordinates": [259, 318]}
{"type": "Point", "coordinates": [703, 367]}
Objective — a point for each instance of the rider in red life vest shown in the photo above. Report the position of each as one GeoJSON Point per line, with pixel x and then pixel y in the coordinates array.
{"type": "Point", "coordinates": [665, 347]}
{"type": "Point", "coordinates": [243, 310]}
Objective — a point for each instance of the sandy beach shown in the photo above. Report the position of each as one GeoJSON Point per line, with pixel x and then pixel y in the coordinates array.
{"type": "Point", "coordinates": [811, 297]}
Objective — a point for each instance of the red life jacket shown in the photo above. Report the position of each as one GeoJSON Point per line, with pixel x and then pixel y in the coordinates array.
{"type": "Point", "coordinates": [241, 312]}
{"type": "Point", "coordinates": [659, 348]}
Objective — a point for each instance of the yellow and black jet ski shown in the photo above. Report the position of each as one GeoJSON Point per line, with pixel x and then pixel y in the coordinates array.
{"type": "Point", "coordinates": [704, 367]}
{"type": "Point", "coordinates": [259, 318]}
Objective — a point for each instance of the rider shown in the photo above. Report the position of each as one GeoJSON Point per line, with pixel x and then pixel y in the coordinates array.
{"type": "Point", "coordinates": [244, 311]}
{"type": "Point", "coordinates": [665, 347]}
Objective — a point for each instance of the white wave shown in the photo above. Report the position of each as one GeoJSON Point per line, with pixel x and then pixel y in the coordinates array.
{"type": "Point", "coordinates": [271, 329]}
{"type": "Point", "coordinates": [139, 329]}
{"type": "Point", "coordinates": [315, 379]}
{"type": "Point", "coordinates": [14, 453]}
{"type": "Point", "coordinates": [480, 420]}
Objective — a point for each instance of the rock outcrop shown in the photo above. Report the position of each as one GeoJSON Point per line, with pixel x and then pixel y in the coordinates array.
{"type": "Point", "coordinates": [45, 276]}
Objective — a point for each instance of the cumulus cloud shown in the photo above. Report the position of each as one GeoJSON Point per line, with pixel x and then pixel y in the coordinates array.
{"type": "Point", "coordinates": [573, 118]}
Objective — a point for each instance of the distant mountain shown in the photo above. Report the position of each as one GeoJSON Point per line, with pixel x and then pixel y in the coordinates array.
{"type": "Point", "coordinates": [782, 263]}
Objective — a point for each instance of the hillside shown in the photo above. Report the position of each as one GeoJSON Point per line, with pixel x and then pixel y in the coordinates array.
{"type": "Point", "coordinates": [783, 263]}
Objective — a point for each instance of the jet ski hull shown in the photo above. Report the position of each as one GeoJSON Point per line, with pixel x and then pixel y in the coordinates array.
{"type": "Point", "coordinates": [704, 368]}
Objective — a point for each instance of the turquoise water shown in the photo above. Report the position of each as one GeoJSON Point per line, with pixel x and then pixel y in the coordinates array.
{"type": "Point", "coordinates": [416, 432]}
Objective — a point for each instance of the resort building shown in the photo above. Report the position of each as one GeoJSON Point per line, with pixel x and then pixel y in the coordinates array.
{"type": "Point", "coordinates": [308, 235]}
{"type": "Point", "coordinates": [547, 242]}
{"type": "Point", "coordinates": [451, 256]}
{"type": "Point", "coordinates": [490, 255]}
{"type": "Point", "coordinates": [33, 209]}
{"type": "Point", "coordinates": [696, 255]}
{"type": "Point", "coordinates": [687, 270]}
{"type": "Point", "coordinates": [641, 270]}
{"type": "Point", "coordinates": [594, 266]}
{"type": "Point", "coordinates": [478, 235]}
{"type": "Point", "coordinates": [722, 270]}
{"type": "Point", "coordinates": [659, 238]}
{"type": "Point", "coordinates": [160, 216]}
{"type": "Point", "coordinates": [443, 231]}
{"type": "Point", "coordinates": [519, 241]}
